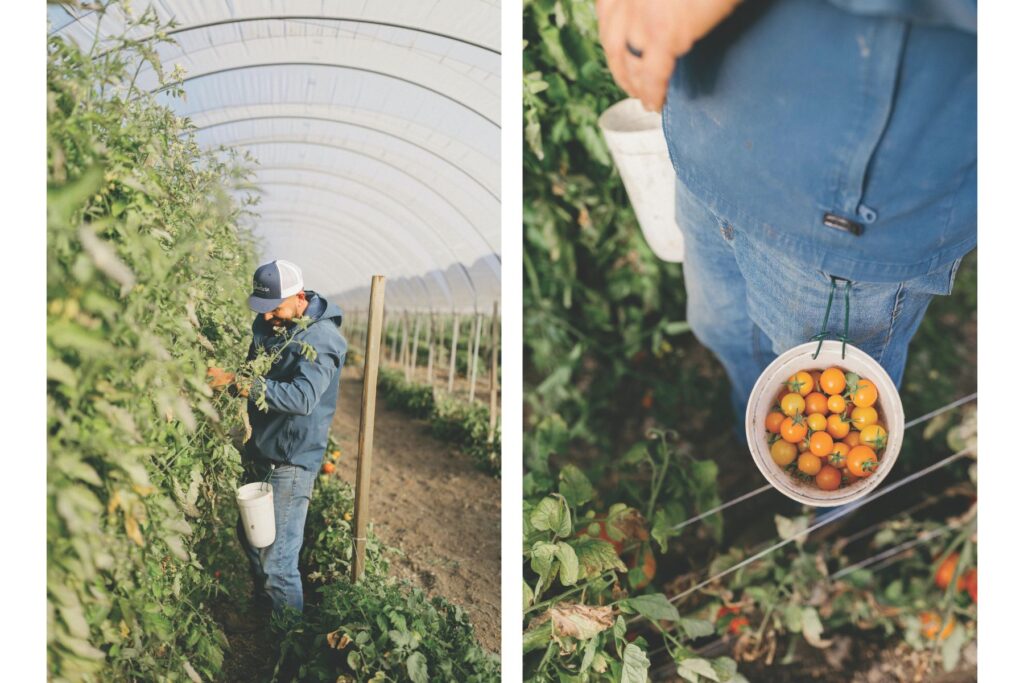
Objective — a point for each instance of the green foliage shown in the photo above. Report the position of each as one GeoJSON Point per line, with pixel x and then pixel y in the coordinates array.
{"type": "Point", "coordinates": [327, 548]}
{"type": "Point", "coordinates": [377, 629]}
{"type": "Point", "coordinates": [597, 303]}
{"type": "Point", "coordinates": [581, 599]}
{"type": "Point", "coordinates": [374, 631]}
{"type": "Point", "coordinates": [146, 283]}
{"type": "Point", "coordinates": [453, 421]}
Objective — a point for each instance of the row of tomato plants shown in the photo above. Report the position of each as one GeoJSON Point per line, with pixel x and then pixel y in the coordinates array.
{"type": "Point", "coordinates": [378, 629]}
{"type": "Point", "coordinates": [592, 610]}
{"type": "Point", "coordinates": [452, 420]}
{"type": "Point", "coordinates": [146, 283]}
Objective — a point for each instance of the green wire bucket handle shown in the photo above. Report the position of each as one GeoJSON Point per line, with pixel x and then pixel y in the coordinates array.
{"type": "Point", "coordinates": [823, 334]}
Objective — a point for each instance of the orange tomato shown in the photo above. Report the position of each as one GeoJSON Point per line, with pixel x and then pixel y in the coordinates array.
{"type": "Point", "coordinates": [865, 394]}
{"type": "Point", "coordinates": [837, 404]}
{"type": "Point", "coordinates": [737, 624]}
{"type": "Point", "coordinates": [821, 444]}
{"type": "Point", "coordinates": [792, 430]}
{"type": "Point", "coordinates": [930, 623]}
{"type": "Point", "coordinates": [837, 428]}
{"type": "Point", "coordinates": [774, 421]}
{"type": "Point", "coordinates": [861, 461]}
{"type": "Point", "coordinates": [816, 403]}
{"type": "Point", "coordinates": [650, 566]}
{"type": "Point", "coordinates": [828, 478]}
{"type": "Point", "coordinates": [852, 439]}
{"type": "Point", "coordinates": [808, 463]}
{"type": "Point", "coordinates": [944, 574]}
{"type": "Point", "coordinates": [801, 382]}
{"type": "Point", "coordinates": [328, 468]}
{"type": "Point", "coordinates": [833, 381]}
{"type": "Point", "coordinates": [839, 452]}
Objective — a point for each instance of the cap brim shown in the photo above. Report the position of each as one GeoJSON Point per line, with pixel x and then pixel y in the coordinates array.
{"type": "Point", "coordinates": [261, 305]}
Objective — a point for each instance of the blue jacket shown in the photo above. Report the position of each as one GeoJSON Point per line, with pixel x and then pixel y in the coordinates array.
{"type": "Point", "coordinates": [864, 110]}
{"type": "Point", "coordinates": [302, 394]}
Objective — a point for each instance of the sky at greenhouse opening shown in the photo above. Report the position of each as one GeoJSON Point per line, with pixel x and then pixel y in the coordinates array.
{"type": "Point", "coordinates": [374, 126]}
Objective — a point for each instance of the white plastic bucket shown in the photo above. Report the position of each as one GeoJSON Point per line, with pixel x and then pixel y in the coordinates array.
{"type": "Point", "coordinates": [256, 504]}
{"type": "Point", "coordinates": [766, 389]}
{"type": "Point", "coordinates": [638, 147]}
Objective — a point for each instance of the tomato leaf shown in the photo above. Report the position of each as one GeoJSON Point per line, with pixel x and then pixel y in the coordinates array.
{"type": "Point", "coordinates": [634, 665]}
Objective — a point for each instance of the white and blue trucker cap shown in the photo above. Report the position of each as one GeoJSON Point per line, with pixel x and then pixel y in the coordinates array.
{"type": "Point", "coordinates": [272, 283]}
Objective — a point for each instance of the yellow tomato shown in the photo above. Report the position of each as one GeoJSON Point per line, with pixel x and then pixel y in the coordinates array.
{"type": "Point", "coordinates": [862, 417]}
{"type": "Point", "coordinates": [783, 452]}
{"type": "Point", "coordinates": [792, 404]}
{"type": "Point", "coordinates": [874, 435]}
{"type": "Point", "coordinates": [816, 422]}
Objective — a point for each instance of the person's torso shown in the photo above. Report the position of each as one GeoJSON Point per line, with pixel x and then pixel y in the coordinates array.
{"type": "Point", "coordinates": [297, 439]}
{"type": "Point", "coordinates": [795, 109]}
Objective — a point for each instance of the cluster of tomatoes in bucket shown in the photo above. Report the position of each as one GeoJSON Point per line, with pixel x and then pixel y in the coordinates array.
{"type": "Point", "coordinates": [826, 428]}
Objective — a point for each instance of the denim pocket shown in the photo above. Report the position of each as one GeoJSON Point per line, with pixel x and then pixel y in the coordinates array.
{"type": "Point", "coordinates": [938, 282]}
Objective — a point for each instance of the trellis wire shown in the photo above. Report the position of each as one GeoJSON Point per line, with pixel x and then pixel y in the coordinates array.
{"type": "Point", "coordinates": [856, 505]}
{"type": "Point", "coordinates": [750, 494]}
{"type": "Point", "coordinates": [895, 550]}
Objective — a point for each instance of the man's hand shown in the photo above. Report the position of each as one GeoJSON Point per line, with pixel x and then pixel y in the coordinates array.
{"type": "Point", "coordinates": [218, 378]}
{"type": "Point", "coordinates": [643, 38]}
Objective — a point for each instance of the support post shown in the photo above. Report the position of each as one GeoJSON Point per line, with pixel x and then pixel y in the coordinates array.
{"type": "Point", "coordinates": [455, 347]}
{"type": "Point", "coordinates": [478, 319]}
{"type": "Point", "coordinates": [411, 371]}
{"type": "Point", "coordinates": [364, 457]}
{"type": "Point", "coordinates": [494, 375]}
{"type": "Point", "coordinates": [430, 350]}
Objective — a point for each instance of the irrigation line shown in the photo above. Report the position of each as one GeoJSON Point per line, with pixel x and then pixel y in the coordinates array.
{"type": "Point", "coordinates": [750, 494]}
{"type": "Point", "coordinates": [895, 550]}
{"type": "Point", "coordinates": [842, 512]}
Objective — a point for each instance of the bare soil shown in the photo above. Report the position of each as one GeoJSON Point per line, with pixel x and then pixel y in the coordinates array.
{"type": "Point", "coordinates": [428, 500]}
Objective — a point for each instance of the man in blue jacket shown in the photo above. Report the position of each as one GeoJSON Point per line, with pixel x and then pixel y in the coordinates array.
{"type": "Point", "coordinates": [817, 144]}
{"type": "Point", "coordinates": [290, 412]}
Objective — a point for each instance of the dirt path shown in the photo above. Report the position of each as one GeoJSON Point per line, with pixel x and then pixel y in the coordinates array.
{"type": "Point", "coordinates": [432, 503]}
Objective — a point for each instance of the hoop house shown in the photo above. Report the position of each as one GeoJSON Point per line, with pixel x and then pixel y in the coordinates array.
{"type": "Point", "coordinates": [374, 127]}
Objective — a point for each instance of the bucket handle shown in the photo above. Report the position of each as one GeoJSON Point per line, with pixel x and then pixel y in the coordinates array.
{"type": "Point", "coordinates": [823, 334]}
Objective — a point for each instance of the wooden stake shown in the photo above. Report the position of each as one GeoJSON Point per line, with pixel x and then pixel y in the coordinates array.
{"type": "Point", "coordinates": [364, 457]}
{"type": "Point", "coordinates": [403, 354]}
{"type": "Point", "coordinates": [430, 349]}
{"type": "Point", "coordinates": [478, 319]}
{"type": "Point", "coordinates": [494, 376]}
{"type": "Point", "coordinates": [455, 346]}
{"type": "Point", "coordinates": [415, 349]}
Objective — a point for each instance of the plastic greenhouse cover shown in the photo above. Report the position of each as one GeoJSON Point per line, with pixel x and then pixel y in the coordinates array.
{"type": "Point", "coordinates": [375, 128]}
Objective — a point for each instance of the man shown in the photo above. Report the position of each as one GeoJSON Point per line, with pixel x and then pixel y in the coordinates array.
{"type": "Point", "coordinates": [289, 438]}
{"type": "Point", "coordinates": [817, 144]}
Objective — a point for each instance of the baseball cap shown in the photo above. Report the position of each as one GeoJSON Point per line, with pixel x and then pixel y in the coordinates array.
{"type": "Point", "coordinates": [272, 283]}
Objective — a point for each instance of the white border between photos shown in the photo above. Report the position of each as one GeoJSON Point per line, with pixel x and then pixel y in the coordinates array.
{"type": "Point", "coordinates": [511, 339]}
{"type": "Point", "coordinates": [22, 53]}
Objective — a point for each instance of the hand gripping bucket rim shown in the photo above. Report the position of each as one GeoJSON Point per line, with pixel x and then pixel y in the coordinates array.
{"type": "Point", "coordinates": [256, 506]}
{"type": "Point", "coordinates": [763, 397]}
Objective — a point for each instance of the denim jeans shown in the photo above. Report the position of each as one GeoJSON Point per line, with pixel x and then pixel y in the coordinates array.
{"type": "Point", "coordinates": [275, 569]}
{"type": "Point", "coordinates": [748, 303]}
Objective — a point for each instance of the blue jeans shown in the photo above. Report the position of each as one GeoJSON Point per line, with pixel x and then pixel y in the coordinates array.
{"type": "Point", "coordinates": [748, 303]}
{"type": "Point", "coordinates": [275, 569]}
